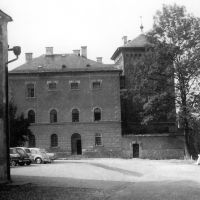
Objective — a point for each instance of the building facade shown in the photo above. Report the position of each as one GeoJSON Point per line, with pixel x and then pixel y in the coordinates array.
{"type": "Point", "coordinates": [73, 103]}
{"type": "Point", "coordinates": [4, 19]}
{"type": "Point", "coordinates": [158, 139]}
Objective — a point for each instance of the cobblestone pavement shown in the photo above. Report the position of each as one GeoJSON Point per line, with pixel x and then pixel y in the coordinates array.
{"type": "Point", "coordinates": [105, 179]}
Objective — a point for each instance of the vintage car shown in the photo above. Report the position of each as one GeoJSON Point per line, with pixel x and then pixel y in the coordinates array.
{"type": "Point", "coordinates": [39, 156]}
{"type": "Point", "coordinates": [19, 157]}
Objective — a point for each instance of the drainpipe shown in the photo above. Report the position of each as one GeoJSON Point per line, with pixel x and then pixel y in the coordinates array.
{"type": "Point", "coordinates": [16, 50]}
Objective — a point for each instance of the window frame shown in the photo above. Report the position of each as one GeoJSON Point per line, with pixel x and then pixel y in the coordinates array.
{"type": "Point", "coordinates": [96, 81]}
{"type": "Point", "coordinates": [52, 82]}
{"type": "Point", "coordinates": [27, 90]}
{"type": "Point", "coordinates": [74, 82]}
{"type": "Point", "coordinates": [53, 116]}
{"type": "Point", "coordinates": [74, 117]}
{"type": "Point", "coordinates": [94, 114]}
{"type": "Point", "coordinates": [54, 140]}
{"type": "Point", "coordinates": [98, 139]}
{"type": "Point", "coordinates": [34, 121]}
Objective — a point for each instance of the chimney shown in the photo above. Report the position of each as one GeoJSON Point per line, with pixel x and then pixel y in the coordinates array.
{"type": "Point", "coordinates": [76, 52]}
{"type": "Point", "coordinates": [28, 57]}
{"type": "Point", "coordinates": [99, 60]}
{"type": "Point", "coordinates": [84, 51]}
{"type": "Point", "coordinates": [49, 50]}
{"type": "Point", "coordinates": [124, 38]}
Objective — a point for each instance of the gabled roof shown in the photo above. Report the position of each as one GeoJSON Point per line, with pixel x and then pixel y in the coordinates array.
{"type": "Point", "coordinates": [139, 42]}
{"type": "Point", "coordinates": [62, 63]}
{"type": "Point", "coordinates": [5, 16]}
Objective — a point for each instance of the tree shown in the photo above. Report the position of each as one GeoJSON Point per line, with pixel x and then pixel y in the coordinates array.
{"type": "Point", "coordinates": [18, 127]}
{"type": "Point", "coordinates": [178, 32]}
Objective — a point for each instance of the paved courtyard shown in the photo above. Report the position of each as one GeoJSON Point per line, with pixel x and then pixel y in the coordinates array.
{"type": "Point", "coordinates": [105, 179]}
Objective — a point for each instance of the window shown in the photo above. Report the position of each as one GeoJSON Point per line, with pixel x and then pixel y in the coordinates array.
{"type": "Point", "coordinates": [30, 90]}
{"type": "Point", "coordinates": [54, 140]}
{"type": "Point", "coordinates": [31, 116]}
{"type": "Point", "coordinates": [96, 84]}
{"type": "Point", "coordinates": [32, 141]}
{"type": "Point", "coordinates": [75, 115]}
{"type": "Point", "coordinates": [53, 116]}
{"type": "Point", "coordinates": [74, 85]}
{"type": "Point", "coordinates": [98, 139]}
{"type": "Point", "coordinates": [52, 85]}
{"type": "Point", "coordinates": [97, 114]}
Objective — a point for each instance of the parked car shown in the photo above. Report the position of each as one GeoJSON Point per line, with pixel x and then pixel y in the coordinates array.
{"type": "Point", "coordinates": [18, 152]}
{"type": "Point", "coordinates": [39, 155]}
{"type": "Point", "coordinates": [14, 157]}
{"type": "Point", "coordinates": [51, 155]}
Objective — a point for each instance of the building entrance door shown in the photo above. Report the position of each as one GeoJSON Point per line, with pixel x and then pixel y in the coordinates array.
{"type": "Point", "coordinates": [135, 150]}
{"type": "Point", "coordinates": [76, 146]}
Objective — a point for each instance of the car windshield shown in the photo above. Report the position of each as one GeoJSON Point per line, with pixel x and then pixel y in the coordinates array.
{"type": "Point", "coordinates": [21, 151]}
{"type": "Point", "coordinates": [12, 151]}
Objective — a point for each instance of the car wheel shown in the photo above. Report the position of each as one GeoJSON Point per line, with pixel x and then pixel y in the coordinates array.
{"type": "Point", "coordinates": [28, 163]}
{"type": "Point", "coordinates": [13, 163]}
{"type": "Point", "coordinates": [21, 163]}
{"type": "Point", "coordinates": [38, 160]}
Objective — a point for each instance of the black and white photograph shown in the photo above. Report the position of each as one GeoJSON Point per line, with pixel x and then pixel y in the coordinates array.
{"type": "Point", "coordinates": [99, 100]}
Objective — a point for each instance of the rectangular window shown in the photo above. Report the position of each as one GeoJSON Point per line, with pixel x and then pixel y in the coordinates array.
{"type": "Point", "coordinates": [96, 84]}
{"type": "Point", "coordinates": [98, 139]}
{"type": "Point", "coordinates": [52, 85]}
{"type": "Point", "coordinates": [30, 87]}
{"type": "Point", "coordinates": [74, 85]}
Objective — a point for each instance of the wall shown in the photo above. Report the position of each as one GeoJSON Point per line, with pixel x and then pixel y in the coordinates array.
{"type": "Point", "coordinates": [64, 100]}
{"type": "Point", "coordinates": [157, 146]}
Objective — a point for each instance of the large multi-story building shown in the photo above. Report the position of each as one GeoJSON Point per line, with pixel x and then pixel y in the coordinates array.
{"type": "Point", "coordinates": [73, 103]}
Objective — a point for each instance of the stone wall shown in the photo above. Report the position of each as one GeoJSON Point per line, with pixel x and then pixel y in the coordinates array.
{"type": "Point", "coordinates": [157, 146]}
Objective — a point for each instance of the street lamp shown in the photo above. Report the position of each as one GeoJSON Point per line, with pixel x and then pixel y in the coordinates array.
{"type": "Point", "coordinates": [17, 51]}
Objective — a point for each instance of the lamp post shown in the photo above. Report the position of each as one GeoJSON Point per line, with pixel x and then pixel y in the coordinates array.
{"type": "Point", "coordinates": [17, 51]}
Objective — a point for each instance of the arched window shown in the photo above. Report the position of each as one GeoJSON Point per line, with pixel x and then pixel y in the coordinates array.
{"type": "Point", "coordinates": [97, 114]}
{"type": "Point", "coordinates": [31, 116]}
{"type": "Point", "coordinates": [32, 141]}
{"type": "Point", "coordinates": [75, 115]}
{"type": "Point", "coordinates": [53, 116]}
{"type": "Point", "coordinates": [54, 140]}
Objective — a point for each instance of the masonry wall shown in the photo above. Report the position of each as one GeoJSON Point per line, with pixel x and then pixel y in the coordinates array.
{"type": "Point", "coordinates": [63, 99]}
{"type": "Point", "coordinates": [157, 146]}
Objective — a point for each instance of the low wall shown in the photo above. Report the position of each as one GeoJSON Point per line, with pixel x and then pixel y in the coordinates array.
{"type": "Point", "coordinates": [157, 146]}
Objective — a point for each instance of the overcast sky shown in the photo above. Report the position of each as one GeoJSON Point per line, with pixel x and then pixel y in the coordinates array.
{"type": "Point", "coordinates": [69, 24]}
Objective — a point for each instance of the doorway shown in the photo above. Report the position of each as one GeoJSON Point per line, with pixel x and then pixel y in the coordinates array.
{"type": "Point", "coordinates": [76, 146]}
{"type": "Point", "coordinates": [136, 148]}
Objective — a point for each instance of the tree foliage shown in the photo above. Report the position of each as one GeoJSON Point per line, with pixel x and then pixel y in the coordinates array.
{"type": "Point", "coordinates": [18, 127]}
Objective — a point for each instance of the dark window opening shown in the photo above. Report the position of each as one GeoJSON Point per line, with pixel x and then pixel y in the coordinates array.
{"type": "Point", "coordinates": [75, 115]}
{"type": "Point", "coordinates": [52, 86]}
{"type": "Point", "coordinates": [53, 116]}
{"type": "Point", "coordinates": [31, 116]}
{"type": "Point", "coordinates": [96, 84]}
{"type": "Point", "coordinates": [98, 139]}
{"type": "Point", "coordinates": [97, 114]}
{"type": "Point", "coordinates": [30, 90]}
{"type": "Point", "coordinates": [32, 142]}
{"type": "Point", "coordinates": [74, 85]}
{"type": "Point", "coordinates": [54, 140]}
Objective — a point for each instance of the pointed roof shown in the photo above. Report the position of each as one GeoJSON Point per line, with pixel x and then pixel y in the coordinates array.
{"type": "Point", "coordinates": [5, 16]}
{"type": "Point", "coordinates": [140, 41]}
{"type": "Point", "coordinates": [62, 63]}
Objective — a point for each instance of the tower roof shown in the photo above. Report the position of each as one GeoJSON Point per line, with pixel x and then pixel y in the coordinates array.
{"type": "Point", "coordinates": [140, 41]}
{"type": "Point", "coordinates": [5, 16]}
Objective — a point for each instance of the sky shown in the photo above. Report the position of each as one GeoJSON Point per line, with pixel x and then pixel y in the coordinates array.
{"type": "Point", "coordinates": [69, 24]}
